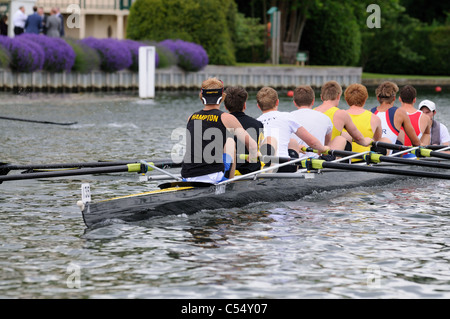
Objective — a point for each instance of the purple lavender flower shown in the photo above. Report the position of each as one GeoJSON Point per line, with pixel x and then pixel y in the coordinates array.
{"type": "Point", "coordinates": [113, 56]}
{"type": "Point", "coordinates": [59, 55]}
{"type": "Point", "coordinates": [191, 56]}
{"type": "Point", "coordinates": [26, 56]}
{"type": "Point", "coordinates": [134, 46]}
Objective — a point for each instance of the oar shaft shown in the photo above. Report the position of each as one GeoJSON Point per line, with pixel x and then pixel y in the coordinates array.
{"type": "Point", "coordinates": [373, 169]}
{"type": "Point", "coordinates": [137, 168]}
{"type": "Point", "coordinates": [35, 121]}
{"type": "Point", "coordinates": [419, 152]}
{"type": "Point", "coordinates": [375, 158]}
{"type": "Point", "coordinates": [159, 163]}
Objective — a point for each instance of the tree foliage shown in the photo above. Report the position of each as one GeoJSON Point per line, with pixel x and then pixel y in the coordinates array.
{"type": "Point", "coordinates": [330, 39]}
{"type": "Point", "coordinates": [210, 23]}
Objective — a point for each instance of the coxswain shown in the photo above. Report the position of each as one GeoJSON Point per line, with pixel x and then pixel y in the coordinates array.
{"type": "Point", "coordinates": [439, 132]}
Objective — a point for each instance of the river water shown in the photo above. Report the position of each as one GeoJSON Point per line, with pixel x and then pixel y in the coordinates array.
{"type": "Point", "coordinates": [372, 242]}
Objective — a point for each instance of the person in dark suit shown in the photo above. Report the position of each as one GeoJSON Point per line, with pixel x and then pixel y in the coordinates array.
{"type": "Point", "coordinates": [60, 16]}
{"type": "Point", "coordinates": [4, 25]}
{"type": "Point", "coordinates": [34, 22]}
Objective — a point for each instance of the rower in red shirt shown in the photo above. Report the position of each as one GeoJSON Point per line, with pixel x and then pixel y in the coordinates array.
{"type": "Point", "coordinates": [420, 122]}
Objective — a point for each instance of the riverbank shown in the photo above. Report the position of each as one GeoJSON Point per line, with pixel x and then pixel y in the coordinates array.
{"type": "Point", "coordinates": [284, 77]}
{"type": "Point", "coordinates": [374, 79]}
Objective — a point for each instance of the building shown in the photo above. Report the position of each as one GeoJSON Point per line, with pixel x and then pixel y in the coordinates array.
{"type": "Point", "coordinates": [82, 18]}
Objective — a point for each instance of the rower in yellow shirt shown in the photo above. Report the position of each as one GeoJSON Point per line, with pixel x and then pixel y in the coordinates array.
{"type": "Point", "coordinates": [367, 123]}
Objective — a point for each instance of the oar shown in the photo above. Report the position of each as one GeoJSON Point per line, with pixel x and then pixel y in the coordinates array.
{"type": "Point", "coordinates": [377, 158]}
{"type": "Point", "coordinates": [321, 164]}
{"type": "Point", "coordinates": [130, 168]}
{"type": "Point", "coordinates": [289, 161]}
{"type": "Point", "coordinates": [152, 166]}
{"type": "Point", "coordinates": [35, 121]}
{"type": "Point", "coordinates": [5, 168]}
{"type": "Point", "coordinates": [420, 152]}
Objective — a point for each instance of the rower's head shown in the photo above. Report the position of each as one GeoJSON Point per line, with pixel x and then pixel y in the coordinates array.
{"type": "Point", "coordinates": [386, 92]}
{"type": "Point", "coordinates": [331, 91]}
{"type": "Point", "coordinates": [235, 99]}
{"type": "Point", "coordinates": [267, 99]}
{"type": "Point", "coordinates": [304, 96]}
{"type": "Point", "coordinates": [428, 108]}
{"type": "Point", "coordinates": [408, 94]}
{"type": "Point", "coordinates": [356, 94]}
{"type": "Point", "coordinates": [212, 92]}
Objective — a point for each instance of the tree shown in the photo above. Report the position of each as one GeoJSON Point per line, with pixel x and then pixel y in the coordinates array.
{"type": "Point", "coordinates": [210, 23]}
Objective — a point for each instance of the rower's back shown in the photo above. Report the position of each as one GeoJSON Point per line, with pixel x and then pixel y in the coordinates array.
{"type": "Point", "coordinates": [235, 102]}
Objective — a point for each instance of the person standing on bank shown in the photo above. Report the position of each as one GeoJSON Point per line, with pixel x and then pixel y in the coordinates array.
{"type": "Point", "coordinates": [34, 22]}
{"type": "Point", "coordinates": [60, 16]}
{"type": "Point", "coordinates": [210, 147]}
{"type": "Point", "coordinates": [19, 20]}
{"type": "Point", "coordinates": [53, 25]}
{"type": "Point", "coordinates": [439, 132]}
{"type": "Point", "coordinates": [236, 103]}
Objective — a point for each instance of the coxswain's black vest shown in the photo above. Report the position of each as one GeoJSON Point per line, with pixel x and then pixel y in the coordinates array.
{"type": "Point", "coordinates": [435, 133]}
{"type": "Point", "coordinates": [205, 140]}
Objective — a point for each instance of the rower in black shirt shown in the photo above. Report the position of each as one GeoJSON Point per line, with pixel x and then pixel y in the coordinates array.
{"type": "Point", "coordinates": [210, 154]}
{"type": "Point", "coordinates": [235, 102]}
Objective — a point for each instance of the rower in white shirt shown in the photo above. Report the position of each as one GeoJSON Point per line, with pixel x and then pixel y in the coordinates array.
{"type": "Point", "coordinates": [278, 128]}
{"type": "Point", "coordinates": [316, 123]}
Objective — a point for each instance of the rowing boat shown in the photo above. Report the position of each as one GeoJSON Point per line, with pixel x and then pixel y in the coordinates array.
{"type": "Point", "coordinates": [177, 198]}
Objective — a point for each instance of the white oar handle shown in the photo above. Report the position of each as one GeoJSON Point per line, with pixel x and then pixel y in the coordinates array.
{"type": "Point", "coordinates": [160, 170]}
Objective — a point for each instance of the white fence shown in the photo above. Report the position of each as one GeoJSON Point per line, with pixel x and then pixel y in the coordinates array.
{"type": "Point", "coordinates": [174, 78]}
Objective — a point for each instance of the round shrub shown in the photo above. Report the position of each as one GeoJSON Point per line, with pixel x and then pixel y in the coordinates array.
{"type": "Point", "coordinates": [26, 56]}
{"type": "Point", "coordinates": [59, 55]}
{"type": "Point", "coordinates": [112, 55]}
{"type": "Point", "coordinates": [86, 58]}
{"type": "Point", "coordinates": [190, 56]}
{"type": "Point", "coordinates": [5, 57]}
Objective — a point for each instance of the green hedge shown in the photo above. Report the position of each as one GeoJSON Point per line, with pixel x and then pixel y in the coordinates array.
{"type": "Point", "coordinates": [330, 38]}
{"type": "Point", "coordinates": [210, 23]}
{"type": "Point", "coordinates": [433, 43]}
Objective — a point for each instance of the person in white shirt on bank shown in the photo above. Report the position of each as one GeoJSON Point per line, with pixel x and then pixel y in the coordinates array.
{"type": "Point", "coordinates": [439, 132]}
{"type": "Point", "coordinates": [278, 128]}
{"type": "Point", "coordinates": [19, 20]}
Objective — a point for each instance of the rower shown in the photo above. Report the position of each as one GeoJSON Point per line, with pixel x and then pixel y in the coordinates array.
{"type": "Point", "coordinates": [210, 147]}
{"type": "Point", "coordinates": [367, 123]}
{"type": "Point", "coordinates": [236, 103]}
{"type": "Point", "coordinates": [420, 122]}
{"type": "Point", "coordinates": [278, 127]}
{"type": "Point", "coordinates": [316, 123]}
{"type": "Point", "coordinates": [393, 118]}
{"type": "Point", "coordinates": [331, 94]}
